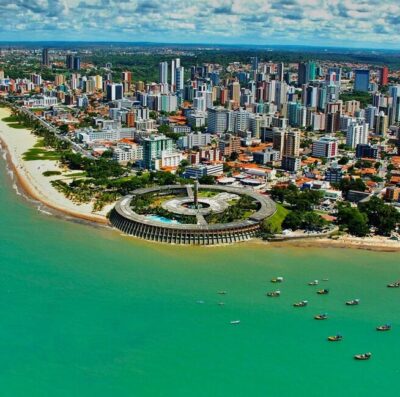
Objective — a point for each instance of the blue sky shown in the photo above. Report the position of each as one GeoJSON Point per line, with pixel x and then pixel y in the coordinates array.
{"type": "Point", "coordinates": [356, 23]}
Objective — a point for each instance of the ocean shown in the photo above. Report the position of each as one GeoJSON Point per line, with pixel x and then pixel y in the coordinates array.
{"type": "Point", "coordinates": [88, 312]}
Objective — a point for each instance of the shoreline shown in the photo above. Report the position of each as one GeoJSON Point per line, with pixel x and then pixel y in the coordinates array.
{"type": "Point", "coordinates": [32, 193]}
{"type": "Point", "coordinates": [24, 180]}
{"type": "Point", "coordinates": [14, 143]}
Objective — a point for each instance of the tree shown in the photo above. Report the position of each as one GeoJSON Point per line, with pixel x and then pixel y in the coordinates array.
{"type": "Point", "coordinates": [343, 161]}
{"type": "Point", "coordinates": [313, 221]}
{"type": "Point", "coordinates": [293, 220]}
{"type": "Point", "coordinates": [380, 215]}
{"type": "Point", "coordinates": [353, 220]}
{"type": "Point", "coordinates": [234, 156]}
{"type": "Point", "coordinates": [207, 180]}
{"type": "Point", "coordinates": [347, 184]}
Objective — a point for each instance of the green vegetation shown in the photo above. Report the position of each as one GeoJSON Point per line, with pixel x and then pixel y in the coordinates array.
{"type": "Point", "coordinates": [150, 204]}
{"type": "Point", "coordinates": [41, 154]}
{"type": "Point", "coordinates": [242, 209]}
{"type": "Point", "coordinates": [353, 220]}
{"type": "Point", "coordinates": [371, 216]}
{"type": "Point", "coordinates": [364, 98]}
{"type": "Point", "coordinates": [51, 173]}
{"type": "Point", "coordinates": [273, 225]}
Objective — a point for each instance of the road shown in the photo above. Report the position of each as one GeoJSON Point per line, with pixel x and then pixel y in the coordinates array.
{"type": "Point", "coordinates": [77, 148]}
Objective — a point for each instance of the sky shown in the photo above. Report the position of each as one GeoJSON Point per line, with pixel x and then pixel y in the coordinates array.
{"type": "Point", "coordinates": [355, 23]}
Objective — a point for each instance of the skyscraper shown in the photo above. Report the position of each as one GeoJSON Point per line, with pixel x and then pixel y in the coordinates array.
{"type": "Point", "coordinates": [361, 82]}
{"type": "Point", "coordinates": [45, 57]}
{"type": "Point", "coordinates": [383, 75]}
{"type": "Point", "coordinates": [77, 63]}
{"type": "Point", "coordinates": [280, 67]}
{"type": "Point", "coordinates": [69, 61]}
{"type": "Point", "coordinates": [357, 133]}
{"type": "Point", "coordinates": [180, 78]}
{"type": "Point", "coordinates": [115, 92]}
{"type": "Point", "coordinates": [163, 72]}
{"type": "Point", "coordinates": [173, 74]}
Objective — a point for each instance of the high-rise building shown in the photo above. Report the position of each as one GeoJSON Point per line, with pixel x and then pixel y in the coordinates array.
{"type": "Point", "coordinates": [325, 147]}
{"type": "Point", "coordinates": [153, 147]}
{"type": "Point", "coordinates": [217, 120]}
{"type": "Point", "coordinates": [69, 61]}
{"type": "Point", "coordinates": [163, 72]}
{"type": "Point", "coordinates": [383, 75]}
{"type": "Point", "coordinates": [180, 78]}
{"type": "Point", "coordinates": [235, 92]}
{"type": "Point", "coordinates": [115, 92]}
{"type": "Point", "coordinates": [381, 124]}
{"type": "Point", "coordinates": [292, 143]}
{"type": "Point", "coordinates": [280, 70]}
{"type": "Point", "coordinates": [173, 74]}
{"type": "Point", "coordinates": [45, 57]}
{"type": "Point", "coordinates": [77, 63]}
{"type": "Point", "coordinates": [306, 72]}
{"type": "Point", "coordinates": [357, 133]}
{"type": "Point", "coordinates": [361, 82]}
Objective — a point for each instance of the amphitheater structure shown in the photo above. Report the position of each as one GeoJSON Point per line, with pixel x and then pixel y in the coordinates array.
{"type": "Point", "coordinates": [187, 202]}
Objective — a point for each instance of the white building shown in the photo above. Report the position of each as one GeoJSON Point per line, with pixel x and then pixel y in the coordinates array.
{"type": "Point", "coordinates": [127, 153]}
{"type": "Point", "coordinates": [357, 133]}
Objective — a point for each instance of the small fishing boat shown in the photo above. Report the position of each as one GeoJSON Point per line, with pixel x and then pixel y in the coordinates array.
{"type": "Point", "coordinates": [274, 294]}
{"type": "Point", "coordinates": [300, 304]}
{"type": "Point", "coordinates": [221, 303]}
{"type": "Point", "coordinates": [396, 284]}
{"type": "Point", "coordinates": [315, 282]}
{"type": "Point", "coordinates": [353, 302]}
{"type": "Point", "coordinates": [221, 292]}
{"type": "Point", "coordinates": [323, 291]}
{"type": "Point", "coordinates": [235, 322]}
{"type": "Point", "coordinates": [365, 356]}
{"type": "Point", "coordinates": [386, 327]}
{"type": "Point", "coordinates": [277, 280]}
{"type": "Point", "coordinates": [335, 338]}
{"type": "Point", "coordinates": [323, 316]}
{"type": "Point", "coordinates": [325, 279]}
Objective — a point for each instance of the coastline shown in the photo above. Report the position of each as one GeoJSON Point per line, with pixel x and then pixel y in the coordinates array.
{"type": "Point", "coordinates": [29, 176]}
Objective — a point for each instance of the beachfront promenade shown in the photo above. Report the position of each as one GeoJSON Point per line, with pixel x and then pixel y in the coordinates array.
{"type": "Point", "coordinates": [125, 219]}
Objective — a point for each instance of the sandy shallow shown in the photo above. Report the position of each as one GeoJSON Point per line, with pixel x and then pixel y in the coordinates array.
{"type": "Point", "coordinates": [30, 174]}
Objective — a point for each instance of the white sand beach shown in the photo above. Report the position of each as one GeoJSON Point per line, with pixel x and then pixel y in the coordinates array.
{"type": "Point", "coordinates": [30, 173]}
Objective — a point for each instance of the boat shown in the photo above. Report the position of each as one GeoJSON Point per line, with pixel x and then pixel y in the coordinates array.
{"type": "Point", "coordinates": [335, 338]}
{"type": "Point", "coordinates": [277, 280]}
{"type": "Point", "coordinates": [325, 279]}
{"type": "Point", "coordinates": [365, 356]}
{"type": "Point", "coordinates": [386, 327]}
{"type": "Point", "coordinates": [300, 304]}
{"type": "Point", "coordinates": [221, 303]}
{"type": "Point", "coordinates": [274, 294]}
{"type": "Point", "coordinates": [315, 282]}
{"type": "Point", "coordinates": [221, 292]}
{"type": "Point", "coordinates": [396, 284]}
{"type": "Point", "coordinates": [323, 291]}
{"type": "Point", "coordinates": [353, 302]}
{"type": "Point", "coordinates": [235, 322]}
{"type": "Point", "coordinates": [323, 316]}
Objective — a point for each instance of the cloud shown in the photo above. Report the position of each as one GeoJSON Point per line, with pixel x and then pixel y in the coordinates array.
{"type": "Point", "coordinates": [371, 23]}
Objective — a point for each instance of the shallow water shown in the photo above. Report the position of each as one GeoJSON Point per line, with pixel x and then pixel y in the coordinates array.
{"type": "Point", "coordinates": [87, 312]}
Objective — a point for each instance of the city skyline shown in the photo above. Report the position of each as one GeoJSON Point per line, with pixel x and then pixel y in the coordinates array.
{"type": "Point", "coordinates": [288, 22]}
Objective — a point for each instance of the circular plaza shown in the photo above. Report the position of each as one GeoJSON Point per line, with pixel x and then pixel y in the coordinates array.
{"type": "Point", "coordinates": [197, 215]}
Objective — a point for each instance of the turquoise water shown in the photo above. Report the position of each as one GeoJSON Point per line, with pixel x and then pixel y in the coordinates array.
{"type": "Point", "coordinates": [86, 312]}
{"type": "Point", "coordinates": [162, 219]}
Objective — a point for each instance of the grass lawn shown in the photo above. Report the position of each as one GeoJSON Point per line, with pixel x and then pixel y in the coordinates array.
{"type": "Point", "coordinates": [276, 220]}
